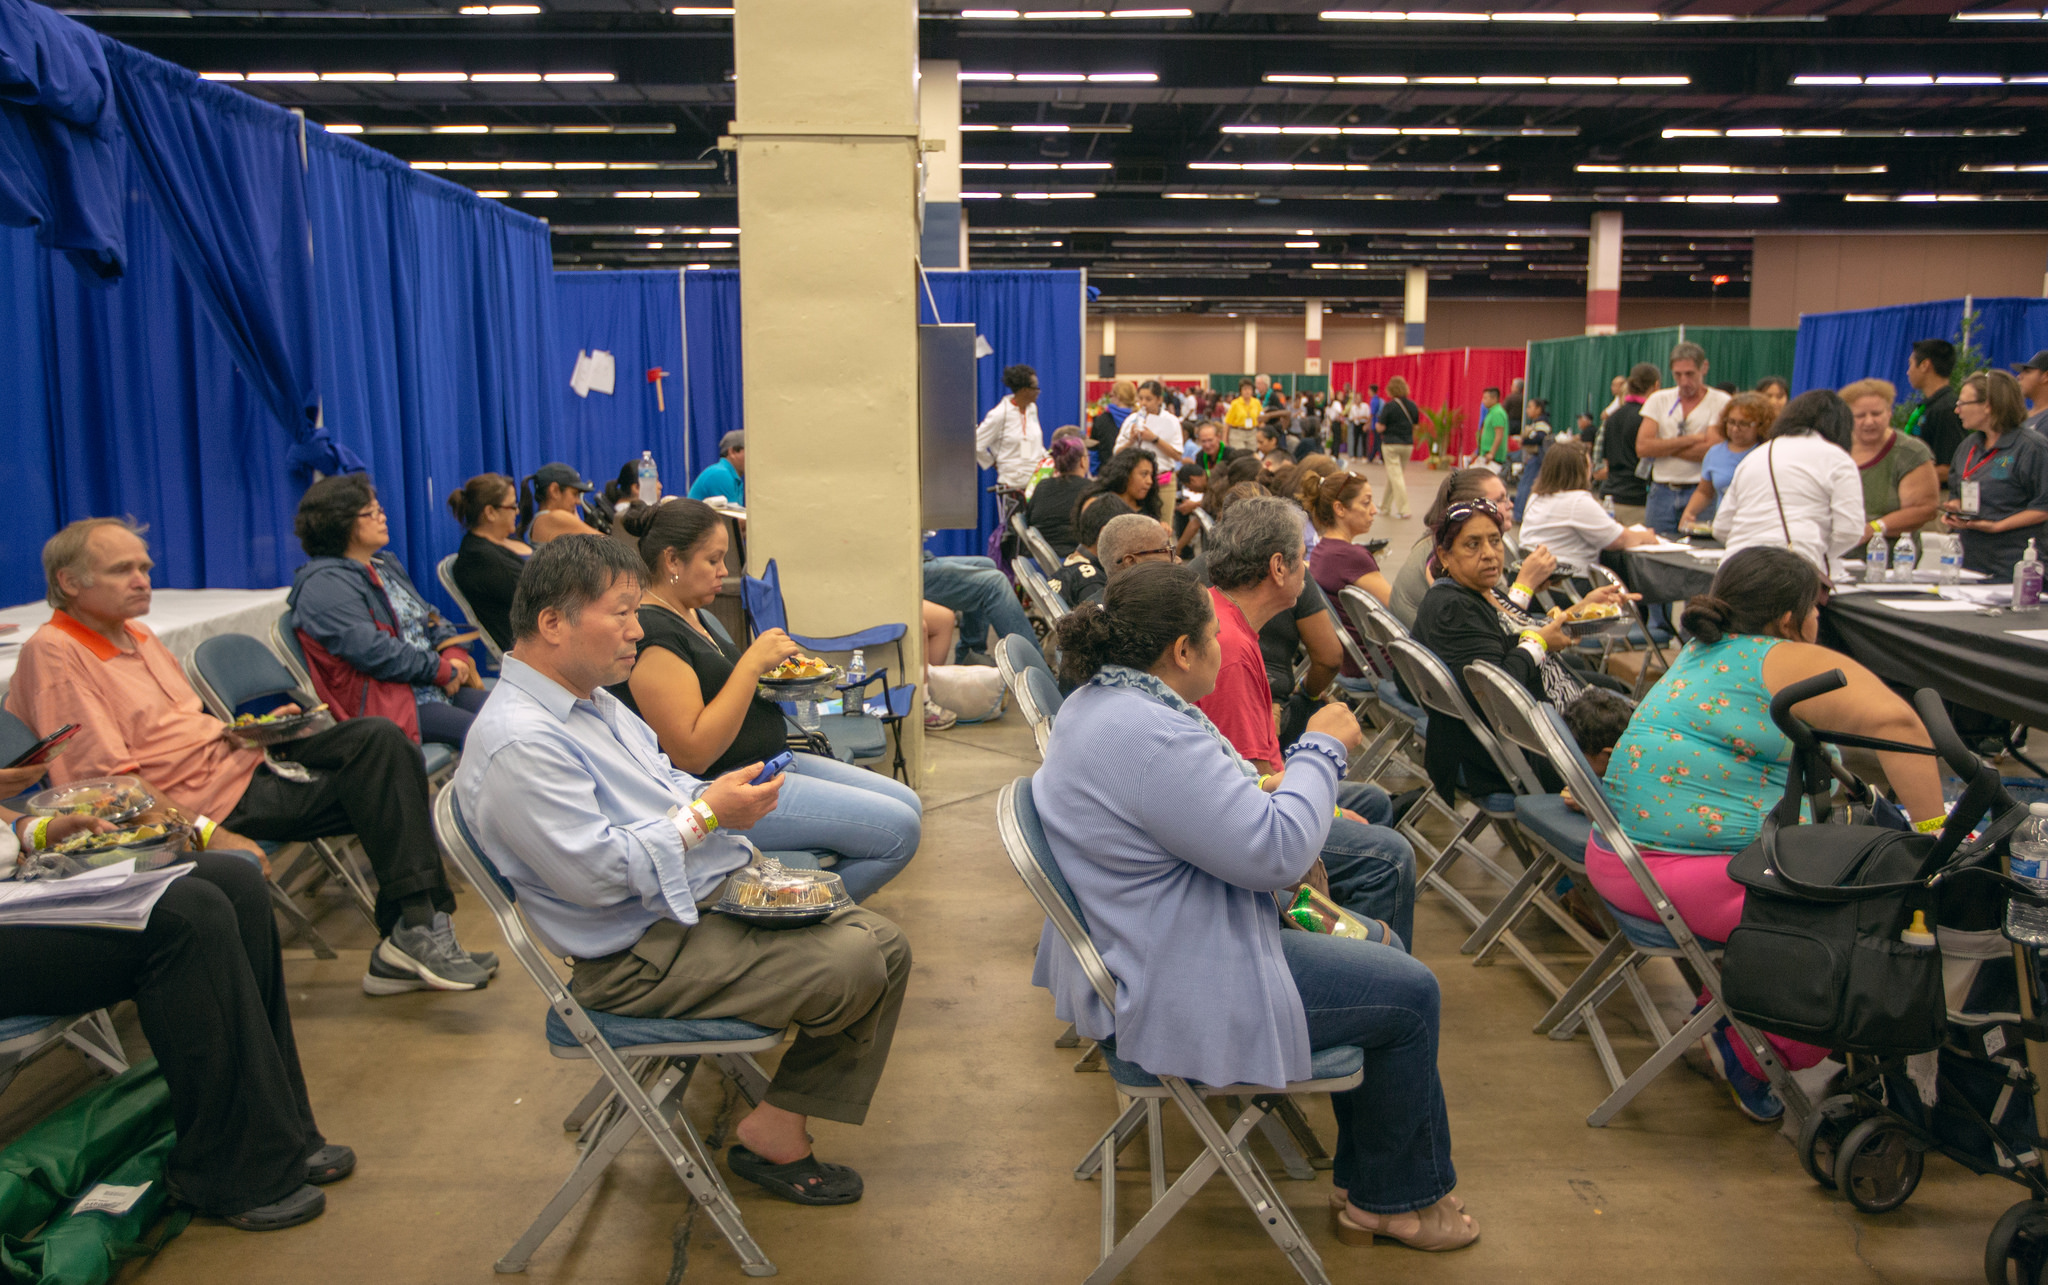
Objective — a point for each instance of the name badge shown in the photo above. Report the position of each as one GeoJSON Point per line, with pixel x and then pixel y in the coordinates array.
{"type": "Point", "coordinates": [1972, 493]}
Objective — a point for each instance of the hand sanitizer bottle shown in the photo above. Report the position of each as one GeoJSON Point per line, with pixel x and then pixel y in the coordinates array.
{"type": "Point", "coordinates": [2026, 581]}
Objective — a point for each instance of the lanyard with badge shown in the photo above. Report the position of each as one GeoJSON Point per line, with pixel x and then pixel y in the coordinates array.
{"type": "Point", "coordinates": [1970, 494]}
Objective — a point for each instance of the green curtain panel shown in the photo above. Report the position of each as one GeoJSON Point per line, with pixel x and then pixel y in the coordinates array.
{"type": "Point", "coordinates": [1573, 374]}
{"type": "Point", "coordinates": [1288, 384]}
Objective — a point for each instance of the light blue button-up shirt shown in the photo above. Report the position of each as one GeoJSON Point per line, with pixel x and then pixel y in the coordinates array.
{"type": "Point", "coordinates": [573, 800]}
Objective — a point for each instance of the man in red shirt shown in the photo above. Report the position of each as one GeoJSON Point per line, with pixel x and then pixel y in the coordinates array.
{"type": "Point", "coordinates": [1256, 567]}
{"type": "Point", "coordinates": [136, 714]}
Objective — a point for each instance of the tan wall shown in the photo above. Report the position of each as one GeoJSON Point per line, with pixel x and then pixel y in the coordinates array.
{"type": "Point", "coordinates": [1203, 345]}
{"type": "Point", "coordinates": [1798, 274]}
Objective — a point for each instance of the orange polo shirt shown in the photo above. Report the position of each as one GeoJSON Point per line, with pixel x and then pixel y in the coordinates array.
{"type": "Point", "coordinates": [135, 713]}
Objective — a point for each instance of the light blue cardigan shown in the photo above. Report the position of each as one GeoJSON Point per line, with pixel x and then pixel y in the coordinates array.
{"type": "Point", "coordinates": [1173, 854]}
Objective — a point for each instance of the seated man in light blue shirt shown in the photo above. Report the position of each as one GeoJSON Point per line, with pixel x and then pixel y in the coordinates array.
{"type": "Point", "coordinates": [617, 857]}
{"type": "Point", "coordinates": [728, 477]}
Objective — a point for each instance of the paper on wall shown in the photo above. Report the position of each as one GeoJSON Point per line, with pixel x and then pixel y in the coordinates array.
{"type": "Point", "coordinates": [595, 371]}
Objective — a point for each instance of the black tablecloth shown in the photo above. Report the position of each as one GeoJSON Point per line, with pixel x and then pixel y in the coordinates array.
{"type": "Point", "coordinates": [1662, 577]}
{"type": "Point", "coordinates": [1966, 656]}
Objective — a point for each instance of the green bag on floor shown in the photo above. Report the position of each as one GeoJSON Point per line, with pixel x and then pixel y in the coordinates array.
{"type": "Point", "coordinates": [118, 1133]}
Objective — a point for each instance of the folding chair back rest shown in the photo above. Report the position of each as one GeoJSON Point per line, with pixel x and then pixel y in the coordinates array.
{"type": "Point", "coordinates": [1510, 711]}
{"type": "Point", "coordinates": [16, 737]}
{"type": "Point", "coordinates": [284, 641]}
{"type": "Point", "coordinates": [1373, 620]}
{"type": "Point", "coordinates": [1045, 693]}
{"type": "Point", "coordinates": [445, 570]}
{"type": "Point", "coordinates": [1041, 548]}
{"type": "Point", "coordinates": [1025, 842]}
{"type": "Point", "coordinates": [1020, 654]}
{"type": "Point", "coordinates": [1431, 683]}
{"type": "Point", "coordinates": [1351, 648]}
{"type": "Point", "coordinates": [763, 600]}
{"type": "Point", "coordinates": [1040, 590]}
{"type": "Point", "coordinates": [232, 670]}
{"type": "Point", "coordinates": [1546, 727]}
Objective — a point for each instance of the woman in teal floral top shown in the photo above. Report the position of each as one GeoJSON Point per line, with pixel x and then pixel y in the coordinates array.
{"type": "Point", "coordinates": [1702, 763]}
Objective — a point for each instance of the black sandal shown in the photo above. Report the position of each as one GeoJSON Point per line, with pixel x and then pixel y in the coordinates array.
{"type": "Point", "coordinates": [808, 1181]}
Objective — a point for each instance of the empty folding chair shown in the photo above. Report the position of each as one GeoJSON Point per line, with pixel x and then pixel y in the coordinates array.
{"type": "Point", "coordinates": [644, 1063]}
{"type": "Point", "coordinates": [1045, 600]}
{"type": "Point", "coordinates": [1400, 724]}
{"type": "Point", "coordinates": [445, 569]}
{"type": "Point", "coordinates": [1333, 1071]}
{"type": "Point", "coordinates": [859, 731]}
{"type": "Point", "coordinates": [1640, 940]}
{"type": "Point", "coordinates": [24, 1039]}
{"type": "Point", "coordinates": [230, 671]}
{"type": "Point", "coordinates": [1433, 685]}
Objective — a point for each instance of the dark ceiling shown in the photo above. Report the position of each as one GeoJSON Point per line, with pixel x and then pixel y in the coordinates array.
{"type": "Point", "coordinates": [1249, 172]}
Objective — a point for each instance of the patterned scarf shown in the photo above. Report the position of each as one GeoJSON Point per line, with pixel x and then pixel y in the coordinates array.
{"type": "Point", "coordinates": [1124, 678]}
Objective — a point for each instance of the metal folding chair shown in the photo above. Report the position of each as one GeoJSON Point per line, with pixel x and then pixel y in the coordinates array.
{"type": "Point", "coordinates": [284, 641]}
{"type": "Point", "coordinates": [1045, 601]}
{"type": "Point", "coordinates": [1639, 940]}
{"type": "Point", "coordinates": [1431, 681]}
{"type": "Point", "coordinates": [1638, 628]}
{"type": "Point", "coordinates": [861, 733]}
{"type": "Point", "coordinates": [1333, 1071]}
{"type": "Point", "coordinates": [24, 1039]}
{"type": "Point", "coordinates": [230, 671]}
{"type": "Point", "coordinates": [445, 570]}
{"type": "Point", "coordinates": [1402, 725]}
{"type": "Point", "coordinates": [1040, 547]}
{"type": "Point", "coordinates": [644, 1064]}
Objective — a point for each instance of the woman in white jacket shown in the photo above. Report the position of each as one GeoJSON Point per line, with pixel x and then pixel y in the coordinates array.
{"type": "Point", "coordinates": [1800, 489]}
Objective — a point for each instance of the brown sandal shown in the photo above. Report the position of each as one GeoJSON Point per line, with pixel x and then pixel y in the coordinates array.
{"type": "Point", "coordinates": [1443, 1228]}
{"type": "Point", "coordinates": [1340, 1199]}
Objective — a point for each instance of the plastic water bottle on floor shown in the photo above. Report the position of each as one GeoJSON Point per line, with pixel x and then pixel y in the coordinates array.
{"type": "Point", "coordinates": [1876, 561]}
{"type": "Point", "coordinates": [2028, 925]}
{"type": "Point", "coordinates": [1904, 558]}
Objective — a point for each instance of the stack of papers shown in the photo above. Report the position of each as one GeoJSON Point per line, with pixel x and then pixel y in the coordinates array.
{"type": "Point", "coordinates": [1663, 546]}
{"type": "Point", "coordinates": [1929, 604]}
{"type": "Point", "coordinates": [111, 897]}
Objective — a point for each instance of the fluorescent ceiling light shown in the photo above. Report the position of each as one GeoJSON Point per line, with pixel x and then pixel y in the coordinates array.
{"type": "Point", "coordinates": [2009, 132]}
{"type": "Point", "coordinates": [1301, 245]}
{"type": "Point", "coordinates": [1969, 80]}
{"type": "Point", "coordinates": [1732, 169]}
{"type": "Point", "coordinates": [702, 11]}
{"type": "Point", "coordinates": [481, 192]}
{"type": "Point", "coordinates": [1039, 129]}
{"type": "Point", "coordinates": [461, 129]}
{"type": "Point", "coordinates": [714, 245]}
{"type": "Point", "coordinates": [1996, 15]}
{"type": "Point", "coordinates": [545, 194]}
{"type": "Point", "coordinates": [1827, 80]}
{"type": "Point", "coordinates": [505, 78]}
{"type": "Point", "coordinates": [649, 231]}
{"type": "Point", "coordinates": [358, 77]}
{"type": "Point", "coordinates": [1394, 15]}
{"type": "Point", "coordinates": [1051, 77]}
{"type": "Point", "coordinates": [344, 129]}
{"type": "Point", "coordinates": [1055, 196]}
{"type": "Point", "coordinates": [1122, 77]}
{"type": "Point", "coordinates": [1528, 196]}
{"type": "Point", "coordinates": [981, 196]}
{"type": "Point", "coordinates": [578, 77]}
{"type": "Point", "coordinates": [970, 129]}
{"type": "Point", "coordinates": [1319, 78]}
{"type": "Point", "coordinates": [498, 10]}
{"type": "Point", "coordinates": [284, 75]}
{"type": "Point", "coordinates": [1152, 13]}
{"type": "Point", "coordinates": [2004, 169]}
{"type": "Point", "coordinates": [657, 196]}
{"type": "Point", "coordinates": [987, 75]}
{"type": "Point", "coordinates": [431, 77]}
{"type": "Point", "coordinates": [220, 75]}
{"type": "Point", "coordinates": [1066, 15]}
{"type": "Point", "coordinates": [990, 13]}
{"type": "Point", "coordinates": [1917, 79]}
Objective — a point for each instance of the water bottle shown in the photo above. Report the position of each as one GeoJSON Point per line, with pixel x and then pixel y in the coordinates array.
{"type": "Point", "coordinates": [1952, 561]}
{"type": "Point", "coordinates": [2026, 581]}
{"type": "Point", "coordinates": [807, 715]}
{"type": "Point", "coordinates": [1875, 560]}
{"type": "Point", "coordinates": [1607, 503]}
{"type": "Point", "coordinates": [1904, 558]}
{"type": "Point", "coordinates": [650, 478]}
{"type": "Point", "coordinates": [2028, 925]}
{"type": "Point", "coordinates": [857, 668]}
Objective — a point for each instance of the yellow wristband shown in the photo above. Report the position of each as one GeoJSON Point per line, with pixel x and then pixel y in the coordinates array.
{"type": "Point", "coordinates": [1263, 778]}
{"type": "Point", "coordinates": [203, 830]}
{"type": "Point", "coordinates": [1877, 526]}
{"type": "Point", "coordinates": [39, 834]}
{"type": "Point", "coordinates": [704, 814]}
{"type": "Point", "coordinates": [1531, 635]}
{"type": "Point", "coordinates": [1930, 825]}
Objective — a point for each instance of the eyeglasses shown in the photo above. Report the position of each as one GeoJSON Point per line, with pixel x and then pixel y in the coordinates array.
{"type": "Point", "coordinates": [1170, 554]}
{"type": "Point", "coordinates": [1974, 401]}
{"type": "Point", "coordinates": [1742, 423]}
{"type": "Point", "coordinates": [374, 511]}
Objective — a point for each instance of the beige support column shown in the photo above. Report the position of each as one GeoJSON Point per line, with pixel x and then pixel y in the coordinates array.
{"type": "Point", "coordinates": [1415, 309]}
{"type": "Point", "coordinates": [1312, 338]}
{"type": "Point", "coordinates": [938, 113]}
{"type": "Point", "coordinates": [1390, 338]}
{"type": "Point", "coordinates": [1105, 364]}
{"type": "Point", "coordinates": [828, 151]}
{"type": "Point", "coordinates": [1251, 345]}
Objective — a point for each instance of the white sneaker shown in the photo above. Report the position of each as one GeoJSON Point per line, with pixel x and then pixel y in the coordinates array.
{"type": "Point", "coordinates": [937, 718]}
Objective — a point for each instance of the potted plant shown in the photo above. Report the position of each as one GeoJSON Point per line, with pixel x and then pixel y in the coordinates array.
{"type": "Point", "coordinates": [1439, 431]}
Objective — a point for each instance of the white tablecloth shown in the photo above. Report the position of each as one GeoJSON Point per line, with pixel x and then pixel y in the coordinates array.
{"type": "Point", "coordinates": [183, 618]}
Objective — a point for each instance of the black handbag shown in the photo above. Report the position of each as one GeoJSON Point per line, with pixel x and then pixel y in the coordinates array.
{"type": "Point", "coordinates": [1819, 955]}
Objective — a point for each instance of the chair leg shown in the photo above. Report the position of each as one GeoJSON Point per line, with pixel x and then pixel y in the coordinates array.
{"type": "Point", "coordinates": [1576, 993]}
{"type": "Point", "coordinates": [579, 1115]}
{"type": "Point", "coordinates": [1289, 1112]}
{"type": "Point", "coordinates": [1069, 1038]}
{"type": "Point", "coordinates": [1281, 1140]}
{"type": "Point", "coordinates": [1092, 1059]}
{"type": "Point", "coordinates": [1116, 1136]}
{"type": "Point", "coordinates": [1702, 1022]}
{"type": "Point", "coordinates": [95, 1038]}
{"type": "Point", "coordinates": [296, 923]}
{"type": "Point", "coordinates": [745, 1073]}
{"type": "Point", "coordinates": [1155, 1147]}
{"type": "Point", "coordinates": [338, 864]}
{"type": "Point", "coordinates": [1510, 907]}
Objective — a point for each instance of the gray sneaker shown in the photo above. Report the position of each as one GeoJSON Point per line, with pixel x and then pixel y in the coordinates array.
{"type": "Point", "coordinates": [444, 932]}
{"type": "Point", "coordinates": [422, 952]}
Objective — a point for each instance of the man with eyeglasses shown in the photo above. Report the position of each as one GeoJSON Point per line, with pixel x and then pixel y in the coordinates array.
{"type": "Point", "coordinates": [1084, 574]}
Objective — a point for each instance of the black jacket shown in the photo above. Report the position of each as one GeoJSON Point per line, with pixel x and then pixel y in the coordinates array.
{"type": "Point", "coordinates": [1618, 448]}
{"type": "Point", "coordinates": [1461, 626]}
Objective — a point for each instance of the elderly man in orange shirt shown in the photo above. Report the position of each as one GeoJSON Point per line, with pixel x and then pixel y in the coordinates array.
{"type": "Point", "coordinates": [94, 666]}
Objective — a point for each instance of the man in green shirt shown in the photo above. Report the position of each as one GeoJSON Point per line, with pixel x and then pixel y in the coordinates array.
{"type": "Point", "coordinates": [1493, 429]}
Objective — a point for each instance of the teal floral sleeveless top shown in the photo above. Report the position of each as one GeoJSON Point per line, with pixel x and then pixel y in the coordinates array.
{"type": "Point", "coordinates": [1701, 762]}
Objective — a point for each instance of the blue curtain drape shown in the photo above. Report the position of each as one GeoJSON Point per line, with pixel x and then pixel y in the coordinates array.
{"type": "Point", "coordinates": [711, 336]}
{"type": "Point", "coordinates": [436, 346]}
{"type": "Point", "coordinates": [1837, 348]}
{"type": "Point", "coordinates": [637, 317]}
{"type": "Point", "coordinates": [1033, 318]}
{"type": "Point", "coordinates": [229, 188]}
{"type": "Point", "coordinates": [60, 137]}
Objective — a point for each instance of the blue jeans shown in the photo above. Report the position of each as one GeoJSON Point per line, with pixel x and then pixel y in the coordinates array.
{"type": "Point", "coordinates": [1532, 462]}
{"type": "Point", "coordinates": [871, 822]}
{"type": "Point", "coordinates": [1371, 867]}
{"type": "Point", "coordinates": [1664, 506]}
{"type": "Point", "coordinates": [978, 590]}
{"type": "Point", "coordinates": [449, 722]}
{"type": "Point", "coordinates": [1393, 1135]}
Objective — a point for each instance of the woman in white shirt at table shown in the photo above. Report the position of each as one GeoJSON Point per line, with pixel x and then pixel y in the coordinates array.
{"type": "Point", "coordinates": [1564, 515]}
{"type": "Point", "coordinates": [1800, 489]}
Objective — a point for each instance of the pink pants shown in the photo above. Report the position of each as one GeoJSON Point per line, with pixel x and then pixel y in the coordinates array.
{"type": "Point", "coordinates": [1707, 900]}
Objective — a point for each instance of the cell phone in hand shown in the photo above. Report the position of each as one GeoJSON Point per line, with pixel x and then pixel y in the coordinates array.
{"type": "Point", "coordinates": [47, 748]}
{"type": "Point", "coordinates": [773, 768]}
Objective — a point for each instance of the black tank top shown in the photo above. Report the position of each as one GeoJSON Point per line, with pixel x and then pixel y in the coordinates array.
{"type": "Point", "coordinates": [762, 734]}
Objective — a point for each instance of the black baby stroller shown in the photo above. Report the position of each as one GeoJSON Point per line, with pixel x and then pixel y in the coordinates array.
{"type": "Point", "coordinates": [1887, 947]}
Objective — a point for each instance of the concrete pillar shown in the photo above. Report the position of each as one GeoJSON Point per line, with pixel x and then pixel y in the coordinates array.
{"type": "Point", "coordinates": [944, 243]}
{"type": "Point", "coordinates": [1415, 312]}
{"type": "Point", "coordinates": [828, 152]}
{"type": "Point", "coordinates": [1105, 365]}
{"type": "Point", "coordinates": [1251, 345]}
{"type": "Point", "coordinates": [1312, 336]}
{"type": "Point", "coordinates": [1390, 340]}
{"type": "Point", "coordinates": [1603, 274]}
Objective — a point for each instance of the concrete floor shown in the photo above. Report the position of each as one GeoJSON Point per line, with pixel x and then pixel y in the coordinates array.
{"type": "Point", "coordinates": [455, 1108]}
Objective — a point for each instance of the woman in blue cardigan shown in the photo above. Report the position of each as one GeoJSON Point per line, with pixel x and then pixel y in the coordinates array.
{"type": "Point", "coordinates": [1174, 845]}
